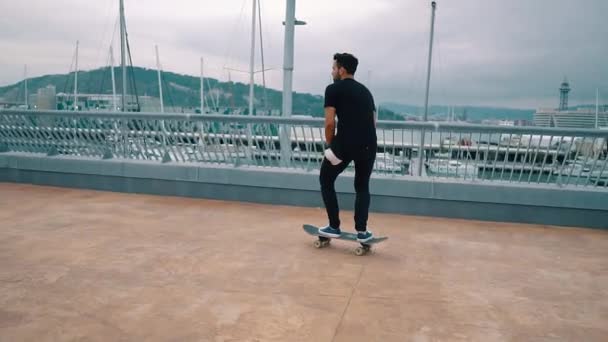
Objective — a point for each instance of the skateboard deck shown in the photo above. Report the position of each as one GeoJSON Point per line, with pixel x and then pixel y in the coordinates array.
{"type": "Point", "coordinates": [323, 241]}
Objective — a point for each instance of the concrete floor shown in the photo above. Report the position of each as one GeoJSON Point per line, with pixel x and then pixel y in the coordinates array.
{"type": "Point", "coordinates": [100, 266]}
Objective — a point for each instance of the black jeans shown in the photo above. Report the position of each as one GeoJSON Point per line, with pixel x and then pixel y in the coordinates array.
{"type": "Point", "coordinates": [364, 163]}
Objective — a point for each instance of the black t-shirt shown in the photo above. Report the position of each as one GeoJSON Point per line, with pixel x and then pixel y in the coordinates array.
{"type": "Point", "coordinates": [355, 110]}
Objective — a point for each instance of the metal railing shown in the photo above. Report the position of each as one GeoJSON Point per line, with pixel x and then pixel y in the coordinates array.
{"type": "Point", "coordinates": [467, 152]}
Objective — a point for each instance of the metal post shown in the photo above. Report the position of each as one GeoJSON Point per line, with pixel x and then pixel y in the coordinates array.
{"type": "Point", "coordinates": [285, 136]}
{"type": "Point", "coordinates": [288, 57]}
{"type": "Point", "coordinates": [251, 78]}
{"type": "Point", "coordinates": [428, 83]}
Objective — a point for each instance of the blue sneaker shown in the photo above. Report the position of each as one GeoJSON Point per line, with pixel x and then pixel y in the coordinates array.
{"type": "Point", "coordinates": [329, 232]}
{"type": "Point", "coordinates": [364, 236]}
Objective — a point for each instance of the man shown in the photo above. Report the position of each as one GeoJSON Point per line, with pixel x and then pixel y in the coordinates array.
{"type": "Point", "coordinates": [352, 103]}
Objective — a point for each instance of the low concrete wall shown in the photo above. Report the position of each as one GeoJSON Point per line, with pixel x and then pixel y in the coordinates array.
{"type": "Point", "coordinates": [581, 207]}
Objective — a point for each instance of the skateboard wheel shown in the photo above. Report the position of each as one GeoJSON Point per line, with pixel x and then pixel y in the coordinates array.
{"type": "Point", "coordinates": [318, 244]}
{"type": "Point", "coordinates": [360, 251]}
{"type": "Point", "coordinates": [325, 243]}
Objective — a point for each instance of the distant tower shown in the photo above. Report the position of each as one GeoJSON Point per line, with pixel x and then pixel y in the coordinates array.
{"type": "Point", "coordinates": [563, 97]}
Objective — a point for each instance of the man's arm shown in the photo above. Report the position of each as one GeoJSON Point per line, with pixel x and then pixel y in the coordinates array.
{"type": "Point", "coordinates": [330, 124]}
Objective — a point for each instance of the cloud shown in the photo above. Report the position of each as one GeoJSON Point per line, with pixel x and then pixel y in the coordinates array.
{"type": "Point", "coordinates": [493, 52]}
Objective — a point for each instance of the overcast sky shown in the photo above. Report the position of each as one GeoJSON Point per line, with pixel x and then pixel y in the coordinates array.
{"type": "Point", "coordinates": [511, 53]}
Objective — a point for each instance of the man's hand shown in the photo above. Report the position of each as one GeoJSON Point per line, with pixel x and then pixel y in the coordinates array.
{"type": "Point", "coordinates": [330, 124]}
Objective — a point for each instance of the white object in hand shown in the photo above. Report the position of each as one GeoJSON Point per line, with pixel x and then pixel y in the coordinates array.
{"type": "Point", "coordinates": [329, 154]}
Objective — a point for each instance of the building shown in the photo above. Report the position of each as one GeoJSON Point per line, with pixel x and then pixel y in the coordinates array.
{"type": "Point", "coordinates": [46, 98]}
{"type": "Point", "coordinates": [105, 102]}
{"type": "Point", "coordinates": [568, 118]}
{"type": "Point", "coordinates": [581, 118]}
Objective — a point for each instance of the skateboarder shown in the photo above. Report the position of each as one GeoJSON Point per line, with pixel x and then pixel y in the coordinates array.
{"type": "Point", "coordinates": [355, 140]}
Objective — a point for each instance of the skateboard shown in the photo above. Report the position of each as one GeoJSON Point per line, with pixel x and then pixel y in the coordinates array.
{"type": "Point", "coordinates": [323, 241]}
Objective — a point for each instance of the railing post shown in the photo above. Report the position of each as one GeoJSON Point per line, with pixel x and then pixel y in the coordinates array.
{"type": "Point", "coordinates": [166, 155]}
{"type": "Point", "coordinates": [52, 152]}
{"type": "Point", "coordinates": [123, 136]}
{"type": "Point", "coordinates": [107, 154]}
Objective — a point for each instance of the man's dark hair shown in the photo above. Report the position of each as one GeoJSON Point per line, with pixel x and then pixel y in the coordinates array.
{"type": "Point", "coordinates": [347, 61]}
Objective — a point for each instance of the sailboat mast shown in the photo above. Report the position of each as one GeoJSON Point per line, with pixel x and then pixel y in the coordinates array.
{"type": "Point", "coordinates": [597, 107]}
{"type": "Point", "coordinates": [428, 82]}
{"type": "Point", "coordinates": [428, 72]}
{"type": "Point", "coordinates": [76, 80]}
{"type": "Point", "coordinates": [202, 88]}
{"type": "Point", "coordinates": [25, 81]}
{"type": "Point", "coordinates": [123, 55]}
{"type": "Point", "coordinates": [114, 104]}
{"type": "Point", "coordinates": [262, 55]}
{"type": "Point", "coordinates": [252, 57]}
{"type": "Point", "coordinates": [160, 84]}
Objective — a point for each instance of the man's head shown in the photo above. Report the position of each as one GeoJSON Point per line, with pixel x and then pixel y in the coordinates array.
{"type": "Point", "coordinates": [345, 65]}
